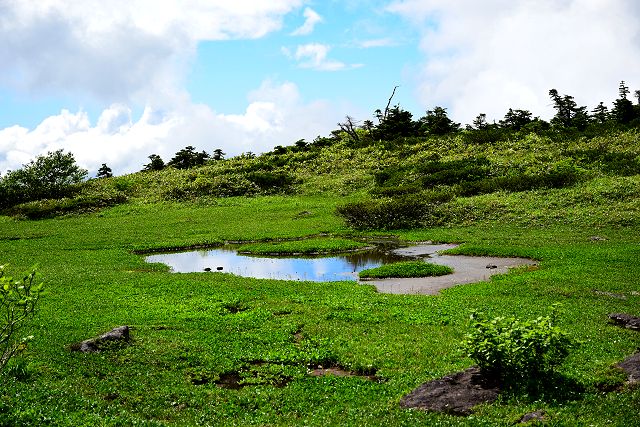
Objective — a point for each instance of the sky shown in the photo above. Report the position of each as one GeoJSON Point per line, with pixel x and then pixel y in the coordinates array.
{"type": "Point", "coordinates": [116, 81]}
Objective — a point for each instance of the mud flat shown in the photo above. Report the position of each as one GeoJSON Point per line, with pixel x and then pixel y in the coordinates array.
{"type": "Point", "coordinates": [467, 269]}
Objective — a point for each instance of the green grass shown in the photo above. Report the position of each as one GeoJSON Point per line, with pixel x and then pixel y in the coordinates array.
{"type": "Point", "coordinates": [304, 247]}
{"type": "Point", "coordinates": [190, 330]}
{"type": "Point", "coordinates": [406, 269]}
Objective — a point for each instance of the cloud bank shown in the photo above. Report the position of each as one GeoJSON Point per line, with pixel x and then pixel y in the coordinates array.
{"type": "Point", "coordinates": [275, 115]}
{"type": "Point", "coordinates": [129, 53]}
{"type": "Point", "coordinates": [485, 57]}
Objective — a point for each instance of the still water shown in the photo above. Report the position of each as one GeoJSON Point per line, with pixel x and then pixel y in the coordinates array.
{"type": "Point", "coordinates": [316, 269]}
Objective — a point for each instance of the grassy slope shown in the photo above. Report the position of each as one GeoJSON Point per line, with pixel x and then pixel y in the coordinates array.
{"type": "Point", "coordinates": [183, 328]}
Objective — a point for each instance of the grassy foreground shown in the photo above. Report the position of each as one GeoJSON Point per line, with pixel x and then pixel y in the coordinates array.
{"type": "Point", "coordinates": [191, 330]}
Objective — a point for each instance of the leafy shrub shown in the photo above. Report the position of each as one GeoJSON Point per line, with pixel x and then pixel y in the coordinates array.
{"type": "Point", "coordinates": [454, 171]}
{"type": "Point", "coordinates": [52, 175]}
{"type": "Point", "coordinates": [518, 353]}
{"type": "Point", "coordinates": [271, 182]}
{"type": "Point", "coordinates": [391, 214]}
{"type": "Point", "coordinates": [555, 178]}
{"type": "Point", "coordinates": [218, 186]}
{"type": "Point", "coordinates": [406, 269]}
{"type": "Point", "coordinates": [18, 299]}
{"type": "Point", "coordinates": [47, 208]}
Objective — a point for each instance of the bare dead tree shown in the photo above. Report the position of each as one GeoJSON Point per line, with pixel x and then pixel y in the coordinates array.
{"type": "Point", "coordinates": [349, 127]}
{"type": "Point", "coordinates": [386, 110]}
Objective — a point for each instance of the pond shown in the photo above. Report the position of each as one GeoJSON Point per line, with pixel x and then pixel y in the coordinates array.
{"type": "Point", "coordinates": [466, 269]}
{"type": "Point", "coordinates": [316, 269]}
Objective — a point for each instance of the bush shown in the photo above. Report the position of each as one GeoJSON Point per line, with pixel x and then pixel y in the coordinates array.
{"type": "Point", "coordinates": [271, 182]}
{"type": "Point", "coordinates": [217, 186]}
{"type": "Point", "coordinates": [18, 299]}
{"type": "Point", "coordinates": [390, 214]}
{"type": "Point", "coordinates": [518, 353]}
{"type": "Point", "coordinates": [51, 176]}
{"type": "Point", "coordinates": [80, 204]}
{"type": "Point", "coordinates": [403, 212]}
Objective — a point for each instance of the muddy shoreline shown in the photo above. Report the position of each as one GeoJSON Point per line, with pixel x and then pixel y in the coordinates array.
{"type": "Point", "coordinates": [467, 269]}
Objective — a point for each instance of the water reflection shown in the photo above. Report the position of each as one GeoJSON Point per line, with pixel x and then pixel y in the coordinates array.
{"type": "Point", "coordinates": [316, 269]}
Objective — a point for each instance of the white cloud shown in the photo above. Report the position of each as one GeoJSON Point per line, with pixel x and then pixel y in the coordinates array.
{"type": "Point", "coordinates": [128, 53]}
{"type": "Point", "coordinates": [383, 42]}
{"type": "Point", "coordinates": [315, 56]}
{"type": "Point", "coordinates": [312, 18]}
{"type": "Point", "coordinates": [275, 115]}
{"type": "Point", "coordinates": [120, 50]}
{"type": "Point", "coordinates": [492, 55]}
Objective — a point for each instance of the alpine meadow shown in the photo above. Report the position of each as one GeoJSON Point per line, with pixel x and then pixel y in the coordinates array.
{"type": "Point", "coordinates": [215, 348]}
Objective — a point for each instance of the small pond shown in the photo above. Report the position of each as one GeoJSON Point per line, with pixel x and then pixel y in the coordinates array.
{"type": "Point", "coordinates": [316, 269]}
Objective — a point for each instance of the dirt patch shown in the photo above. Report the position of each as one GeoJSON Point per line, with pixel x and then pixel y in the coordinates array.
{"type": "Point", "coordinates": [339, 371]}
{"type": "Point", "coordinates": [455, 394]}
{"type": "Point", "coordinates": [250, 375]}
{"type": "Point", "coordinates": [466, 269]}
{"type": "Point", "coordinates": [230, 380]}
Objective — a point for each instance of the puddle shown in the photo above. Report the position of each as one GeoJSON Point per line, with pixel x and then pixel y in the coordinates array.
{"type": "Point", "coordinates": [315, 269]}
{"type": "Point", "coordinates": [467, 269]}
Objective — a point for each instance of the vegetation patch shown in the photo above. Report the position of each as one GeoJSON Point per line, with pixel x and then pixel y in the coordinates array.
{"type": "Point", "coordinates": [305, 247]}
{"type": "Point", "coordinates": [519, 354]}
{"type": "Point", "coordinates": [406, 269]}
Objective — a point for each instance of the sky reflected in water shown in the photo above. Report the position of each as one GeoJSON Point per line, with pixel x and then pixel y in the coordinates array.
{"type": "Point", "coordinates": [316, 269]}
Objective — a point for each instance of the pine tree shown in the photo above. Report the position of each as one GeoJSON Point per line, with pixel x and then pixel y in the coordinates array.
{"type": "Point", "coordinates": [104, 171]}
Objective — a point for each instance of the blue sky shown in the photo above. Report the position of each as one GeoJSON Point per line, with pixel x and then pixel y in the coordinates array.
{"type": "Point", "coordinates": [115, 81]}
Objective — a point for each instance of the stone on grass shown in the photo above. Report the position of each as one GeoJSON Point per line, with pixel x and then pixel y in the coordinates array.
{"type": "Point", "coordinates": [631, 367]}
{"type": "Point", "coordinates": [533, 416]}
{"type": "Point", "coordinates": [625, 320]}
{"type": "Point", "coordinates": [118, 335]}
{"type": "Point", "coordinates": [455, 394]}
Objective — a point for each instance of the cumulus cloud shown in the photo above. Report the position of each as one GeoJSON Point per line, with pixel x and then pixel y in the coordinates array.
{"type": "Point", "coordinates": [132, 53]}
{"type": "Point", "coordinates": [275, 115]}
{"type": "Point", "coordinates": [121, 49]}
{"type": "Point", "coordinates": [492, 55]}
{"type": "Point", "coordinates": [315, 56]}
{"type": "Point", "coordinates": [312, 18]}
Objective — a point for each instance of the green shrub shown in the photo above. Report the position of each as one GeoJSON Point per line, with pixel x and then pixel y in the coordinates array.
{"type": "Point", "coordinates": [80, 204]}
{"type": "Point", "coordinates": [18, 299]}
{"type": "Point", "coordinates": [518, 353]}
{"type": "Point", "coordinates": [406, 269]}
{"type": "Point", "coordinates": [217, 186]}
{"type": "Point", "coordinates": [49, 176]}
{"type": "Point", "coordinates": [271, 182]}
{"type": "Point", "coordinates": [403, 212]}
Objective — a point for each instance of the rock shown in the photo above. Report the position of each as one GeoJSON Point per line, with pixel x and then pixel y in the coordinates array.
{"type": "Point", "coordinates": [492, 266]}
{"type": "Point", "coordinates": [631, 366]}
{"type": "Point", "coordinates": [625, 320]}
{"type": "Point", "coordinates": [119, 334]}
{"type": "Point", "coordinates": [454, 394]}
{"type": "Point", "coordinates": [611, 294]}
{"type": "Point", "coordinates": [598, 239]}
{"type": "Point", "coordinates": [533, 416]}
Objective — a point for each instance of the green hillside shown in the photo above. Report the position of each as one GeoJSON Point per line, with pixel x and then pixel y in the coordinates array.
{"type": "Point", "coordinates": [566, 197]}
